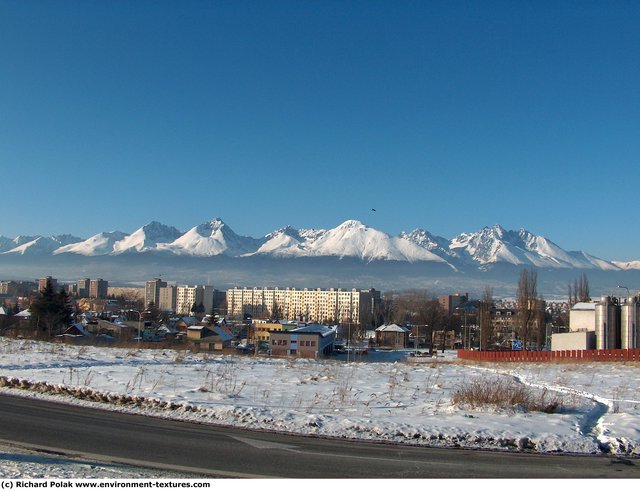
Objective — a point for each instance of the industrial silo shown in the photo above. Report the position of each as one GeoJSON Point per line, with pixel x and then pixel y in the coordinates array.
{"type": "Point", "coordinates": [607, 323]}
{"type": "Point", "coordinates": [629, 328]}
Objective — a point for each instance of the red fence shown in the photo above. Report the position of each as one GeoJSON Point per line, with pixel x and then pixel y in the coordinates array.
{"type": "Point", "coordinates": [546, 356]}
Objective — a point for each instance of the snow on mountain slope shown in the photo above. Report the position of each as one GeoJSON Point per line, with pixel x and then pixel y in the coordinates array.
{"type": "Point", "coordinates": [285, 242]}
{"type": "Point", "coordinates": [594, 262]}
{"type": "Point", "coordinates": [98, 245]}
{"type": "Point", "coordinates": [350, 239]}
{"type": "Point", "coordinates": [20, 240]}
{"type": "Point", "coordinates": [497, 245]}
{"type": "Point", "coordinates": [437, 245]}
{"type": "Point", "coordinates": [6, 244]}
{"type": "Point", "coordinates": [486, 246]}
{"type": "Point", "coordinates": [211, 239]}
{"type": "Point", "coordinates": [146, 238]}
{"type": "Point", "coordinates": [627, 265]}
{"type": "Point", "coordinates": [354, 239]}
{"type": "Point", "coordinates": [40, 245]}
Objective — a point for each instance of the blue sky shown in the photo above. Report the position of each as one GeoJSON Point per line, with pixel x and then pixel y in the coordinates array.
{"type": "Point", "coordinates": [445, 115]}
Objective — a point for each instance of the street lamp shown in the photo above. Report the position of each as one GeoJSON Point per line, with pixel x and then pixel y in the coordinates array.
{"type": "Point", "coordinates": [628, 294]}
{"type": "Point", "coordinates": [139, 323]}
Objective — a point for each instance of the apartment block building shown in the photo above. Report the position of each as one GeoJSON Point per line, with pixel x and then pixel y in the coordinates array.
{"type": "Point", "coordinates": [167, 297]}
{"type": "Point", "coordinates": [152, 291]}
{"type": "Point", "coordinates": [82, 288]}
{"type": "Point", "coordinates": [450, 303]}
{"type": "Point", "coordinates": [98, 288]}
{"type": "Point", "coordinates": [42, 283]}
{"type": "Point", "coordinates": [11, 287]}
{"type": "Point", "coordinates": [333, 305]}
{"type": "Point", "coordinates": [187, 296]}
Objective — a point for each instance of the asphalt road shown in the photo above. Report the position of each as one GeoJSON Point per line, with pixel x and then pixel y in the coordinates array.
{"type": "Point", "coordinates": [208, 450]}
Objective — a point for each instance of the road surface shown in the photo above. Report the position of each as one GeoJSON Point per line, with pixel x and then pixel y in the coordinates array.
{"type": "Point", "coordinates": [207, 450]}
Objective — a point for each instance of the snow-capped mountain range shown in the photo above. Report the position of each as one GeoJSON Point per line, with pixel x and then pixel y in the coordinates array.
{"type": "Point", "coordinates": [351, 239]}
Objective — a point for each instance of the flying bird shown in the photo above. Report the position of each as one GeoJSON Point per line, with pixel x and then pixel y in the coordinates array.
{"type": "Point", "coordinates": [373, 209]}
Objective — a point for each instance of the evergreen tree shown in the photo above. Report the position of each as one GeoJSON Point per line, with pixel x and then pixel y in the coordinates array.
{"type": "Point", "coordinates": [152, 313]}
{"type": "Point", "coordinates": [199, 309]}
{"type": "Point", "coordinates": [51, 312]}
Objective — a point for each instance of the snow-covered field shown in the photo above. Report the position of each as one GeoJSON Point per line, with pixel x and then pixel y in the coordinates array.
{"type": "Point", "coordinates": [400, 401]}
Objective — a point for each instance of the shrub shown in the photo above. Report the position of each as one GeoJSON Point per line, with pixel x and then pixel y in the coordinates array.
{"type": "Point", "coordinates": [505, 394]}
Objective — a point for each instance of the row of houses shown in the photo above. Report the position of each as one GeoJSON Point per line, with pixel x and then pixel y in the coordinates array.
{"type": "Point", "coordinates": [314, 340]}
{"type": "Point", "coordinates": [211, 333]}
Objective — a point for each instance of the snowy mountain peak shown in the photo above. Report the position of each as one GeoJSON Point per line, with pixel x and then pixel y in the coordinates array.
{"type": "Point", "coordinates": [98, 245]}
{"type": "Point", "coordinates": [156, 229]}
{"type": "Point", "coordinates": [211, 239]}
{"type": "Point", "coordinates": [146, 238]}
{"type": "Point", "coordinates": [40, 244]}
{"type": "Point", "coordinates": [497, 245]}
{"type": "Point", "coordinates": [211, 227]}
{"type": "Point", "coordinates": [424, 238]}
{"type": "Point", "coordinates": [217, 224]}
{"type": "Point", "coordinates": [288, 231]}
{"type": "Point", "coordinates": [352, 224]}
{"type": "Point", "coordinates": [352, 238]}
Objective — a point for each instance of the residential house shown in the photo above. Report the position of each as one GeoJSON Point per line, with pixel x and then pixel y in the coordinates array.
{"type": "Point", "coordinates": [209, 338]}
{"type": "Point", "coordinates": [184, 323]}
{"type": "Point", "coordinates": [310, 341]}
{"type": "Point", "coordinates": [75, 331]}
{"type": "Point", "coordinates": [101, 327]}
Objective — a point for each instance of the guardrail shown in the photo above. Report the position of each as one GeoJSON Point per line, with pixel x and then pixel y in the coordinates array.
{"type": "Point", "coordinates": [610, 355]}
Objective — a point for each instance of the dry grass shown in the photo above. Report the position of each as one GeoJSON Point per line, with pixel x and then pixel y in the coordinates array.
{"type": "Point", "coordinates": [505, 394]}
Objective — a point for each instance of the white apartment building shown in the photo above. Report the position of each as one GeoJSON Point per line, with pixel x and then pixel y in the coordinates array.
{"type": "Point", "coordinates": [186, 296]}
{"type": "Point", "coordinates": [334, 305]}
{"type": "Point", "coordinates": [167, 298]}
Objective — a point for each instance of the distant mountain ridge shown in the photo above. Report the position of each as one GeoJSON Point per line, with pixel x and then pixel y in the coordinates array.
{"type": "Point", "coordinates": [351, 239]}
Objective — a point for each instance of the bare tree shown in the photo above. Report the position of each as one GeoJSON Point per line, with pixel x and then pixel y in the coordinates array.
{"type": "Point", "coordinates": [276, 312]}
{"type": "Point", "coordinates": [383, 311]}
{"type": "Point", "coordinates": [527, 302]}
{"type": "Point", "coordinates": [580, 291]}
{"type": "Point", "coordinates": [418, 308]}
{"type": "Point", "coordinates": [131, 299]}
{"type": "Point", "coordinates": [484, 318]}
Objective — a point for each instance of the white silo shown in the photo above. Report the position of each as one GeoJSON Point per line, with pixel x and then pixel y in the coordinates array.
{"type": "Point", "coordinates": [629, 327]}
{"type": "Point", "coordinates": [607, 323]}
